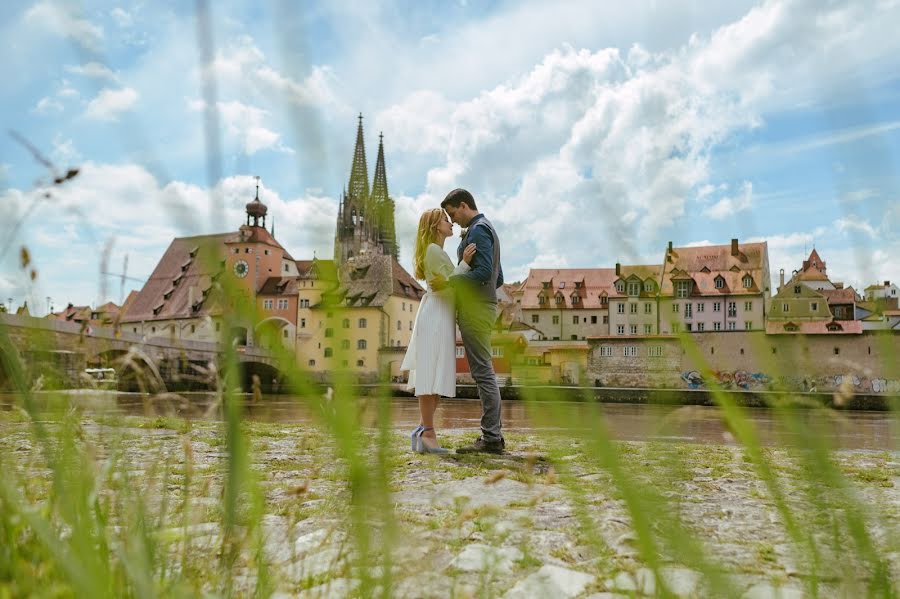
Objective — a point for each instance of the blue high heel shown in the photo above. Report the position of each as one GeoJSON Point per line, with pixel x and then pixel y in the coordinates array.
{"type": "Point", "coordinates": [414, 438]}
{"type": "Point", "coordinates": [422, 448]}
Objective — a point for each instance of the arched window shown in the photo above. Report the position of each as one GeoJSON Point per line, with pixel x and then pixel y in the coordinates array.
{"type": "Point", "coordinates": [748, 282]}
{"type": "Point", "coordinates": [361, 344]}
{"type": "Point", "coordinates": [345, 344]}
{"type": "Point", "coordinates": [362, 323]}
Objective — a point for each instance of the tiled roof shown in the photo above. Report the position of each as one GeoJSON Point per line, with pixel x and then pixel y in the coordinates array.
{"type": "Point", "coordinates": [248, 234]}
{"type": "Point", "coordinates": [281, 286]}
{"type": "Point", "coordinates": [184, 265]}
{"type": "Point", "coordinates": [371, 280]}
{"type": "Point", "coordinates": [816, 327]}
{"type": "Point", "coordinates": [596, 281]}
{"type": "Point", "coordinates": [706, 263]}
{"type": "Point", "coordinates": [839, 296]}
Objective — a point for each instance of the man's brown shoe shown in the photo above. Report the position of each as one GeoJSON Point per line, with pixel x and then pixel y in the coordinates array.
{"type": "Point", "coordinates": [482, 446]}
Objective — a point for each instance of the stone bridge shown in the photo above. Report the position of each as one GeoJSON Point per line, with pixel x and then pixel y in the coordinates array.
{"type": "Point", "coordinates": [57, 352]}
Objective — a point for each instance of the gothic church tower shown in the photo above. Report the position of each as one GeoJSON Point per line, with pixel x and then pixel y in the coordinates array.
{"type": "Point", "coordinates": [365, 222]}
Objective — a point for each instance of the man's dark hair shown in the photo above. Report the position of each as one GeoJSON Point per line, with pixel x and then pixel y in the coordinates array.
{"type": "Point", "coordinates": [457, 197]}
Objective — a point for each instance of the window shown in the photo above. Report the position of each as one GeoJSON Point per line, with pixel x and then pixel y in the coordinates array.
{"type": "Point", "coordinates": [688, 326]}
{"type": "Point", "coordinates": [701, 326]}
{"type": "Point", "coordinates": [560, 299]}
{"type": "Point", "coordinates": [717, 326]}
{"type": "Point", "coordinates": [579, 284]}
{"type": "Point", "coordinates": [748, 306]}
{"type": "Point", "coordinates": [605, 351]}
{"type": "Point", "coordinates": [604, 300]}
{"type": "Point", "coordinates": [311, 363]}
{"type": "Point", "coordinates": [633, 308]}
{"type": "Point", "coordinates": [267, 304]}
{"type": "Point", "coordinates": [621, 308]}
{"type": "Point", "coordinates": [152, 329]}
{"type": "Point", "coordinates": [748, 325]}
{"type": "Point", "coordinates": [648, 286]}
{"type": "Point", "coordinates": [593, 320]}
{"type": "Point", "coordinates": [574, 320]}
{"type": "Point", "coordinates": [748, 282]}
{"type": "Point", "coordinates": [304, 303]}
{"type": "Point", "coordinates": [796, 288]}
{"type": "Point", "coordinates": [360, 363]}
{"type": "Point", "coordinates": [302, 323]}
{"type": "Point", "coordinates": [634, 288]}
{"type": "Point", "coordinates": [648, 308]}
{"type": "Point", "coordinates": [497, 352]}
{"type": "Point", "coordinates": [701, 307]}
{"type": "Point", "coordinates": [814, 306]}
{"type": "Point", "coordinates": [329, 332]}
{"type": "Point", "coordinates": [556, 319]}
{"type": "Point", "coordinates": [630, 351]}
{"type": "Point", "coordinates": [194, 329]}
{"type": "Point", "coordinates": [361, 344]}
{"type": "Point", "coordinates": [676, 327]}
{"type": "Point", "coordinates": [654, 351]}
{"type": "Point", "coordinates": [285, 333]}
{"type": "Point", "coordinates": [620, 329]}
{"type": "Point", "coordinates": [546, 284]}
{"type": "Point", "coordinates": [535, 318]}
{"type": "Point", "coordinates": [620, 286]}
{"type": "Point", "coordinates": [237, 250]}
{"type": "Point", "coordinates": [345, 324]}
{"type": "Point", "coordinates": [732, 309]}
{"type": "Point", "coordinates": [134, 329]}
{"type": "Point", "coordinates": [542, 300]}
{"type": "Point", "coordinates": [287, 268]}
{"type": "Point", "coordinates": [246, 250]}
{"type": "Point", "coordinates": [681, 288]}
{"type": "Point", "coordinates": [345, 344]}
{"type": "Point", "coordinates": [676, 307]}
{"type": "Point", "coordinates": [606, 319]}
{"type": "Point", "coordinates": [282, 304]}
{"type": "Point", "coordinates": [218, 326]}
{"type": "Point", "coordinates": [404, 306]}
{"type": "Point", "coordinates": [576, 299]}
{"type": "Point", "coordinates": [648, 329]}
{"type": "Point", "coordinates": [837, 351]}
{"type": "Point", "coordinates": [398, 325]}
{"type": "Point", "coordinates": [362, 323]}
{"type": "Point", "coordinates": [632, 329]}
{"type": "Point", "coordinates": [785, 307]}
{"type": "Point", "coordinates": [717, 306]}
{"type": "Point", "coordinates": [562, 285]}
{"type": "Point", "coordinates": [460, 351]}
{"type": "Point", "coordinates": [688, 310]}
{"type": "Point", "coordinates": [410, 325]}
{"type": "Point", "coordinates": [328, 352]}
{"type": "Point", "coordinates": [720, 282]}
{"type": "Point", "coordinates": [732, 326]}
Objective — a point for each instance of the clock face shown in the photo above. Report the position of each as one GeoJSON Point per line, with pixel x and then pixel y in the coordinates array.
{"type": "Point", "coordinates": [241, 268]}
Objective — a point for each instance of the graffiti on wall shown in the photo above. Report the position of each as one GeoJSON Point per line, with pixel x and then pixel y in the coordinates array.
{"type": "Point", "coordinates": [728, 379]}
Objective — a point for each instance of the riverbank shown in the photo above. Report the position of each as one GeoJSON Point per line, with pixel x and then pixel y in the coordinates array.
{"type": "Point", "coordinates": [549, 518]}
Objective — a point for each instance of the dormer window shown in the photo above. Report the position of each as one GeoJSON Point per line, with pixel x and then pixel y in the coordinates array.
{"type": "Point", "coordinates": [562, 285]}
{"type": "Point", "coordinates": [648, 286]}
{"type": "Point", "coordinates": [560, 299]}
{"type": "Point", "coordinates": [546, 284]}
{"type": "Point", "coordinates": [542, 300]}
{"type": "Point", "coordinates": [682, 288]}
{"type": "Point", "coordinates": [796, 288]}
{"type": "Point", "coordinates": [748, 282]}
{"type": "Point", "coordinates": [620, 286]}
{"type": "Point", "coordinates": [576, 299]}
{"type": "Point", "coordinates": [604, 300]}
{"type": "Point", "coordinates": [720, 282]}
{"type": "Point", "coordinates": [790, 327]}
{"type": "Point", "coordinates": [579, 284]}
{"type": "Point", "coordinates": [833, 326]}
{"type": "Point", "coordinates": [634, 288]}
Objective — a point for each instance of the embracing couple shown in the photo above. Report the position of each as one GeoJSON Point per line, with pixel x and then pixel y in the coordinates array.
{"type": "Point", "coordinates": [465, 295]}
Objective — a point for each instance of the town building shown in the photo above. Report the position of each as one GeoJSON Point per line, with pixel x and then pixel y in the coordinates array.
{"type": "Point", "coordinates": [634, 301]}
{"type": "Point", "coordinates": [199, 278]}
{"type": "Point", "coordinates": [715, 288]}
{"type": "Point", "coordinates": [356, 313]}
{"type": "Point", "coordinates": [887, 291]}
{"type": "Point", "coordinates": [568, 303]}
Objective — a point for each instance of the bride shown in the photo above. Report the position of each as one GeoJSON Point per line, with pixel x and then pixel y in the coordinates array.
{"type": "Point", "coordinates": [431, 355]}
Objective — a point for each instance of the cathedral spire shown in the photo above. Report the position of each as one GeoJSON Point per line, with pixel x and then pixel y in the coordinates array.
{"type": "Point", "coordinates": [383, 204]}
{"type": "Point", "coordinates": [359, 173]}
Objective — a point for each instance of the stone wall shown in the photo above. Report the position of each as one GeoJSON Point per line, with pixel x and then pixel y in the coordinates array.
{"type": "Point", "coordinates": [740, 360]}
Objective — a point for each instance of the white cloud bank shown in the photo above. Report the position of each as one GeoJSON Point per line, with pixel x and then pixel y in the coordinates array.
{"type": "Point", "coordinates": [109, 104]}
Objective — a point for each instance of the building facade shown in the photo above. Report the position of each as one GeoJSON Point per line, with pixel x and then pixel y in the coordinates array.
{"type": "Point", "coordinates": [566, 304]}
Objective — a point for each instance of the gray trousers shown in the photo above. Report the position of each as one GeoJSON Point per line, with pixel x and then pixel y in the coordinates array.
{"type": "Point", "coordinates": [476, 320]}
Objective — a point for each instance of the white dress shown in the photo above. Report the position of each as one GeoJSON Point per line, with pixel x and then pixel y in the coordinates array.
{"type": "Point", "coordinates": [431, 355]}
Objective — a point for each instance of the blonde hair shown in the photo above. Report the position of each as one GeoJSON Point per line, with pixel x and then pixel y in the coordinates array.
{"type": "Point", "coordinates": [427, 233]}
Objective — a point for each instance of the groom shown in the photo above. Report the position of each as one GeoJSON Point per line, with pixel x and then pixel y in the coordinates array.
{"type": "Point", "coordinates": [476, 292]}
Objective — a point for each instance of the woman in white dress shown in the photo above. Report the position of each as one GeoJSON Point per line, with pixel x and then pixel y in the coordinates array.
{"type": "Point", "coordinates": [431, 355]}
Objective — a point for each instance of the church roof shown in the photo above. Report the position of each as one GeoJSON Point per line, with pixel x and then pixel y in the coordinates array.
{"type": "Point", "coordinates": [373, 279]}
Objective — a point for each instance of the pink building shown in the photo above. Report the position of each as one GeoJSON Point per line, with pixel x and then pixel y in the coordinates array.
{"type": "Point", "coordinates": [715, 288]}
{"type": "Point", "coordinates": [567, 303]}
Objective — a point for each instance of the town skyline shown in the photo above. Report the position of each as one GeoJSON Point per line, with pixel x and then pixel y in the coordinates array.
{"type": "Point", "coordinates": [586, 144]}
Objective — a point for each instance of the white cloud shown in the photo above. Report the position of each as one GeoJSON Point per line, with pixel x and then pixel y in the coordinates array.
{"type": "Point", "coordinates": [47, 105]}
{"type": "Point", "coordinates": [109, 104]}
{"type": "Point", "coordinates": [245, 123]}
{"type": "Point", "coordinates": [122, 17]}
{"type": "Point", "coordinates": [94, 70]}
{"type": "Point", "coordinates": [859, 195]}
{"type": "Point", "coordinates": [732, 205]}
{"type": "Point", "coordinates": [63, 21]}
{"type": "Point", "coordinates": [854, 224]}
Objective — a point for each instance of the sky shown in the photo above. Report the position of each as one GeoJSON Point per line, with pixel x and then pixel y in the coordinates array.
{"type": "Point", "coordinates": [589, 133]}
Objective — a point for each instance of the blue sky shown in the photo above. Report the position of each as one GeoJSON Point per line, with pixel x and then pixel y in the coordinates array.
{"type": "Point", "coordinates": [588, 134]}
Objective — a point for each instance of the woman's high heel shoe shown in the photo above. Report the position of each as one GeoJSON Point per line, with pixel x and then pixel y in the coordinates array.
{"type": "Point", "coordinates": [414, 438]}
{"type": "Point", "coordinates": [422, 448]}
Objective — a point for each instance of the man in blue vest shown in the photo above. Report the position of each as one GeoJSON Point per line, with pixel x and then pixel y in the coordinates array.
{"type": "Point", "coordinates": [476, 310]}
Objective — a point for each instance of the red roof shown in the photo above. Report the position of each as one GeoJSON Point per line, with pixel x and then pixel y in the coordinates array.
{"type": "Point", "coordinates": [594, 281]}
{"type": "Point", "coordinates": [704, 264]}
